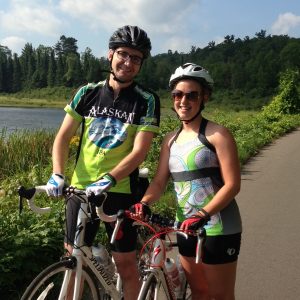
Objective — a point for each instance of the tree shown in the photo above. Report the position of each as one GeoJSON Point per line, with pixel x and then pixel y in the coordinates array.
{"type": "Point", "coordinates": [211, 44]}
{"type": "Point", "coordinates": [27, 61]}
{"type": "Point", "coordinates": [261, 34]}
{"type": "Point", "coordinates": [90, 66]}
{"type": "Point", "coordinates": [5, 69]}
{"type": "Point", "coordinates": [17, 76]}
{"type": "Point", "coordinates": [289, 55]}
{"type": "Point", "coordinates": [51, 76]}
{"type": "Point", "coordinates": [65, 46]}
{"type": "Point", "coordinates": [9, 75]}
{"type": "Point", "coordinates": [287, 101]}
{"type": "Point", "coordinates": [73, 76]}
{"type": "Point", "coordinates": [39, 79]}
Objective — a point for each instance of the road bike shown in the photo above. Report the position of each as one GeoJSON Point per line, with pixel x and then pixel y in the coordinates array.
{"type": "Point", "coordinates": [156, 283]}
{"type": "Point", "coordinates": [90, 279]}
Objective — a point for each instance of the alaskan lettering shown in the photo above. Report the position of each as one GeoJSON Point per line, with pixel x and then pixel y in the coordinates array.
{"type": "Point", "coordinates": [111, 112]}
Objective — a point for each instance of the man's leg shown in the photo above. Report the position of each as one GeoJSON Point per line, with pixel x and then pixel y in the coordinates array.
{"type": "Point", "coordinates": [127, 268]}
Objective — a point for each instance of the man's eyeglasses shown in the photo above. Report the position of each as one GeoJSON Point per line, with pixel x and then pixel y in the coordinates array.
{"type": "Point", "coordinates": [123, 55]}
{"type": "Point", "coordinates": [190, 96]}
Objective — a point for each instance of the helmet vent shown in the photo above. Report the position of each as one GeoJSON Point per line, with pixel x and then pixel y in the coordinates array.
{"type": "Point", "coordinates": [198, 68]}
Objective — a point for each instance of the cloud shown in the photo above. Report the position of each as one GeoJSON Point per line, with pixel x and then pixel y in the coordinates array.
{"type": "Point", "coordinates": [164, 25]}
{"type": "Point", "coordinates": [179, 44]}
{"type": "Point", "coordinates": [284, 23]}
{"type": "Point", "coordinates": [112, 14]}
{"type": "Point", "coordinates": [14, 43]}
{"type": "Point", "coordinates": [30, 17]}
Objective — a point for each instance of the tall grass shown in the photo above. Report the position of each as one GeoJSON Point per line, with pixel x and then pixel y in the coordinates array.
{"type": "Point", "coordinates": [23, 151]}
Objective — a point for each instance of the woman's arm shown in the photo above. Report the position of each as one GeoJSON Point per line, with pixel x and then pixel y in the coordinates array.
{"type": "Point", "coordinates": [226, 150]}
{"type": "Point", "coordinates": [160, 180]}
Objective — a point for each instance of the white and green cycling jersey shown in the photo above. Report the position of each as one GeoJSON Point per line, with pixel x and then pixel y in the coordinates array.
{"type": "Point", "coordinates": [195, 170]}
{"type": "Point", "coordinates": [109, 127]}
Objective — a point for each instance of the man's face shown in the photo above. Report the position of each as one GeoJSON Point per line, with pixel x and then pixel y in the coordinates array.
{"type": "Point", "coordinates": [125, 62]}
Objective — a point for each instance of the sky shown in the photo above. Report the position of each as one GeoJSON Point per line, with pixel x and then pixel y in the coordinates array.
{"type": "Point", "coordinates": [175, 25]}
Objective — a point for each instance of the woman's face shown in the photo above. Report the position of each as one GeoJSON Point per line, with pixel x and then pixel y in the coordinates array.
{"type": "Point", "coordinates": [187, 98]}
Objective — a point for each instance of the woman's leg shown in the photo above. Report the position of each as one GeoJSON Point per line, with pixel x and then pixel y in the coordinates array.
{"type": "Point", "coordinates": [221, 280]}
{"type": "Point", "coordinates": [195, 277]}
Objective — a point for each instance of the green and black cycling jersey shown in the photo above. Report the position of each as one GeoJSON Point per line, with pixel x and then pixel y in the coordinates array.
{"type": "Point", "coordinates": [109, 127]}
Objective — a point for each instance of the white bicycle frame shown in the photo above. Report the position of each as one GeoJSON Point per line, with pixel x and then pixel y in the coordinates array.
{"type": "Point", "coordinates": [158, 258]}
{"type": "Point", "coordinates": [81, 253]}
{"type": "Point", "coordinates": [158, 269]}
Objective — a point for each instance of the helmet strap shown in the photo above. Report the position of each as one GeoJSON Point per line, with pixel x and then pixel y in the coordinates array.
{"type": "Point", "coordinates": [194, 117]}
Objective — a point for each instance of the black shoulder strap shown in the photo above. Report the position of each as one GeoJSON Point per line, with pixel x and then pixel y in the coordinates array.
{"type": "Point", "coordinates": [80, 140]}
{"type": "Point", "coordinates": [202, 136]}
{"type": "Point", "coordinates": [174, 138]}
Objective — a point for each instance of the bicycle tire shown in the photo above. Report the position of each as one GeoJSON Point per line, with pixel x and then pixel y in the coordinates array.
{"type": "Point", "coordinates": [152, 290]}
{"type": "Point", "coordinates": [186, 293]}
{"type": "Point", "coordinates": [151, 285]}
{"type": "Point", "coordinates": [148, 288]}
{"type": "Point", "coordinates": [52, 277]}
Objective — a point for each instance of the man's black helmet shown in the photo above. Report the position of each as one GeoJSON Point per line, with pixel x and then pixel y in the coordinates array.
{"type": "Point", "coordinates": [132, 37]}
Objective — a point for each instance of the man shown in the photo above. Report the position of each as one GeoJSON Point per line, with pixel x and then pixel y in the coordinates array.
{"type": "Point", "coordinates": [118, 118]}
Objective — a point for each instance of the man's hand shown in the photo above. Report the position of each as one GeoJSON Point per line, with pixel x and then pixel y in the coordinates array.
{"type": "Point", "coordinates": [193, 223]}
{"type": "Point", "coordinates": [55, 185]}
{"type": "Point", "coordinates": [101, 186]}
{"type": "Point", "coordinates": [142, 210]}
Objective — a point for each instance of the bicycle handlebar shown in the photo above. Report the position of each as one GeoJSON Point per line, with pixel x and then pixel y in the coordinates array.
{"type": "Point", "coordinates": [153, 219]}
{"type": "Point", "coordinates": [30, 194]}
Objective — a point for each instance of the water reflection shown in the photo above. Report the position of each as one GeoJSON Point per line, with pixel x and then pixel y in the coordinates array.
{"type": "Point", "coordinates": [16, 118]}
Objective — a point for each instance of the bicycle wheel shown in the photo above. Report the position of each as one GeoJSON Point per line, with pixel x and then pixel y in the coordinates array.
{"type": "Point", "coordinates": [186, 293]}
{"type": "Point", "coordinates": [48, 283]}
{"type": "Point", "coordinates": [153, 290]}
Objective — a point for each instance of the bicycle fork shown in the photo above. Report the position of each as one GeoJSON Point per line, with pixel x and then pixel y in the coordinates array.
{"type": "Point", "coordinates": [73, 276]}
{"type": "Point", "coordinates": [157, 269]}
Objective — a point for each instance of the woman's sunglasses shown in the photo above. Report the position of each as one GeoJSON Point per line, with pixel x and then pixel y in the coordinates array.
{"type": "Point", "coordinates": [190, 96]}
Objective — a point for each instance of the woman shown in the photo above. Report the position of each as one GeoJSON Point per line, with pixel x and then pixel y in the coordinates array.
{"type": "Point", "coordinates": [201, 158]}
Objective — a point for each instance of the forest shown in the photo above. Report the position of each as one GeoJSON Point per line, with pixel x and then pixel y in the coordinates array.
{"type": "Point", "coordinates": [249, 65]}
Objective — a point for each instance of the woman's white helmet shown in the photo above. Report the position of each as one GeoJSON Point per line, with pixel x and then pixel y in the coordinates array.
{"type": "Point", "coordinates": [192, 71]}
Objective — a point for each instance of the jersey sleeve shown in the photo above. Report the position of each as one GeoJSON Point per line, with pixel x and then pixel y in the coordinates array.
{"type": "Point", "coordinates": [150, 120]}
{"type": "Point", "coordinates": [75, 107]}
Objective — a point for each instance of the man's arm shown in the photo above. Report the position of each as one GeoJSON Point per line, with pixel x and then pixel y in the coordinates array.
{"type": "Point", "coordinates": [62, 140]}
{"type": "Point", "coordinates": [128, 164]}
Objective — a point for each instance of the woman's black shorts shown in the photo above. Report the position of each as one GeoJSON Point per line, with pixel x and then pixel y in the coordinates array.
{"type": "Point", "coordinates": [216, 249]}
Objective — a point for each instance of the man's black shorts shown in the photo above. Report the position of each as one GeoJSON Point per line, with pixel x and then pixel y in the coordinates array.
{"type": "Point", "coordinates": [126, 238]}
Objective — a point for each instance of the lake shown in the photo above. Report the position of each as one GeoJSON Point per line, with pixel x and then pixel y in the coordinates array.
{"type": "Point", "coordinates": [15, 118]}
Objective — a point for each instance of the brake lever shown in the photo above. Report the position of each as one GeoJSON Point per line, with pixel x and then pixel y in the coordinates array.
{"type": "Point", "coordinates": [200, 239]}
{"type": "Point", "coordinates": [120, 219]}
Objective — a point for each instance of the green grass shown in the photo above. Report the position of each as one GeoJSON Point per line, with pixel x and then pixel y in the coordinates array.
{"type": "Point", "coordinates": [47, 97]}
{"type": "Point", "coordinates": [31, 102]}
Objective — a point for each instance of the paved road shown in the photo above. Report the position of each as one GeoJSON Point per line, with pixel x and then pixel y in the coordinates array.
{"type": "Point", "coordinates": [269, 201]}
